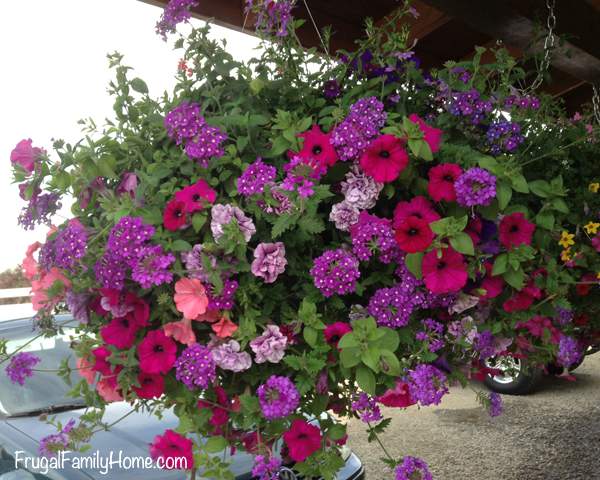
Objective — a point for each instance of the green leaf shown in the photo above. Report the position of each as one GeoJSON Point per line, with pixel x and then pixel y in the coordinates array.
{"type": "Point", "coordinates": [282, 224]}
{"type": "Point", "coordinates": [440, 227]}
{"type": "Point", "coordinates": [500, 265]}
{"type": "Point", "coordinates": [366, 379]}
{"type": "Point", "coordinates": [310, 335]}
{"type": "Point", "coordinates": [541, 188]}
{"type": "Point", "coordinates": [503, 194]}
{"type": "Point", "coordinates": [489, 163]}
{"type": "Point", "coordinates": [461, 242]}
{"type": "Point", "coordinates": [519, 184]}
{"type": "Point", "coordinates": [139, 85]}
{"type": "Point", "coordinates": [390, 364]}
{"type": "Point", "coordinates": [350, 357]}
{"type": "Point", "coordinates": [389, 341]}
{"type": "Point", "coordinates": [560, 205]}
{"type": "Point", "coordinates": [413, 263]}
{"type": "Point", "coordinates": [180, 246]}
{"type": "Point", "coordinates": [215, 444]}
{"type": "Point", "coordinates": [336, 432]}
{"type": "Point", "coordinates": [515, 278]}
{"type": "Point", "coordinates": [370, 358]}
{"type": "Point", "coordinates": [348, 341]}
{"type": "Point", "coordinates": [198, 221]}
{"type": "Point", "coordinates": [545, 219]}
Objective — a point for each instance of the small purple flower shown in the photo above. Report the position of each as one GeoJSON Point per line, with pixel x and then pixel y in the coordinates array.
{"type": "Point", "coordinates": [176, 12]}
{"type": "Point", "coordinates": [266, 468]}
{"type": "Point", "coordinates": [335, 271]}
{"type": "Point", "coordinates": [66, 249]}
{"type": "Point", "coordinates": [39, 210]}
{"type": "Point", "coordinates": [152, 267]}
{"type": "Point", "coordinates": [50, 445]}
{"type": "Point", "coordinates": [569, 352]}
{"type": "Point", "coordinates": [225, 299]}
{"type": "Point", "coordinates": [373, 234]}
{"type": "Point", "coordinates": [393, 307]}
{"type": "Point", "coordinates": [427, 384]}
{"type": "Point", "coordinates": [195, 367]}
{"type": "Point", "coordinates": [484, 343]}
{"type": "Point", "coordinates": [413, 468]}
{"type": "Point", "coordinates": [344, 215]}
{"type": "Point", "coordinates": [367, 408]}
{"type": "Point", "coordinates": [270, 346]}
{"type": "Point", "coordinates": [128, 184]}
{"type": "Point", "coordinates": [476, 186]}
{"type": "Point", "coordinates": [78, 305]}
{"type": "Point", "coordinates": [279, 205]}
{"type": "Point", "coordinates": [564, 316]}
{"type": "Point", "coordinates": [224, 214]}
{"type": "Point", "coordinates": [278, 397]}
{"type": "Point", "coordinates": [205, 145]}
{"type": "Point", "coordinates": [331, 89]}
{"type": "Point", "coordinates": [269, 261]}
{"type": "Point", "coordinates": [255, 177]}
{"type": "Point", "coordinates": [21, 367]}
{"type": "Point", "coordinates": [227, 356]}
{"type": "Point", "coordinates": [302, 174]}
{"type": "Point", "coordinates": [496, 405]}
{"type": "Point", "coordinates": [272, 16]}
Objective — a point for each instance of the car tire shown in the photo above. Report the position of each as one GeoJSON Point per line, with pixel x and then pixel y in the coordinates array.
{"type": "Point", "coordinates": [515, 377]}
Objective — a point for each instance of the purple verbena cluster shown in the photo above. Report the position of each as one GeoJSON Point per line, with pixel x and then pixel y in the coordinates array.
{"type": "Point", "coordinates": [470, 105]}
{"type": "Point", "coordinates": [272, 16]}
{"type": "Point", "coordinates": [66, 248]}
{"type": "Point", "coordinates": [569, 351]}
{"type": "Point", "coordinates": [39, 210]}
{"type": "Point", "coordinates": [335, 271]}
{"type": "Point", "coordinates": [195, 367]}
{"type": "Point", "coordinates": [367, 408]}
{"type": "Point", "coordinates": [427, 384]}
{"type": "Point", "coordinates": [152, 266]}
{"type": "Point", "coordinates": [485, 344]}
{"type": "Point", "coordinates": [392, 307]}
{"type": "Point", "coordinates": [278, 397]}
{"type": "Point", "coordinates": [476, 186]}
{"type": "Point", "coordinates": [432, 334]}
{"type": "Point", "coordinates": [496, 406]}
{"type": "Point", "coordinates": [522, 101]}
{"type": "Point", "coordinates": [413, 468]}
{"type": "Point", "coordinates": [504, 136]}
{"type": "Point", "coordinates": [255, 177]}
{"type": "Point", "coordinates": [50, 445]}
{"type": "Point", "coordinates": [21, 367]}
{"type": "Point", "coordinates": [351, 137]}
{"type": "Point", "coordinates": [302, 173]}
{"type": "Point", "coordinates": [564, 316]}
{"type": "Point", "coordinates": [266, 468]}
{"type": "Point", "coordinates": [224, 300]}
{"type": "Point", "coordinates": [373, 234]}
{"type": "Point", "coordinates": [176, 12]}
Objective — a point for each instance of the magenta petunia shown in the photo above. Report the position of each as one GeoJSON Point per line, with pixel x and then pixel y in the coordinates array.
{"type": "Point", "coordinates": [418, 207]}
{"type": "Point", "coordinates": [120, 332]}
{"type": "Point", "coordinates": [441, 182]}
{"type": "Point", "coordinates": [515, 230]}
{"type": "Point", "coordinates": [431, 135]}
{"type": "Point", "coordinates": [414, 235]}
{"type": "Point", "coordinates": [157, 352]}
{"type": "Point", "coordinates": [445, 274]}
{"type": "Point", "coordinates": [317, 145]}
{"type": "Point", "coordinates": [385, 158]}
{"type": "Point", "coordinates": [196, 197]}
{"type": "Point", "coordinates": [25, 155]}
{"type": "Point", "coordinates": [174, 447]}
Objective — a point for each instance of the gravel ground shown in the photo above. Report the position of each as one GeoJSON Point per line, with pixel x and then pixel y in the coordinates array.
{"type": "Point", "coordinates": [551, 434]}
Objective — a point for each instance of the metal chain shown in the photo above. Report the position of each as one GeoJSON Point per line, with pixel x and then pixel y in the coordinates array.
{"type": "Point", "coordinates": [548, 47]}
{"type": "Point", "coordinates": [596, 103]}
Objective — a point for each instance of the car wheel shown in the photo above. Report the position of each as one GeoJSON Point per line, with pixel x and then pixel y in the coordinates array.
{"type": "Point", "coordinates": [514, 378]}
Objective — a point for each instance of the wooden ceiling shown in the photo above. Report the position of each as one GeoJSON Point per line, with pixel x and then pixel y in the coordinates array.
{"type": "Point", "coordinates": [450, 29]}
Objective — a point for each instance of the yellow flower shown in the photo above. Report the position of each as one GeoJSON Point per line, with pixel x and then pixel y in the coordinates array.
{"type": "Point", "coordinates": [565, 256]}
{"type": "Point", "coordinates": [594, 187]}
{"type": "Point", "coordinates": [591, 228]}
{"type": "Point", "coordinates": [598, 275]}
{"type": "Point", "coordinates": [566, 239]}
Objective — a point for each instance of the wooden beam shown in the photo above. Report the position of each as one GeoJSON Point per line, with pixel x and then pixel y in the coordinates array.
{"type": "Point", "coordinates": [499, 21]}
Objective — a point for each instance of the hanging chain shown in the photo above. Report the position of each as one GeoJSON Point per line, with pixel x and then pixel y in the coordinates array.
{"type": "Point", "coordinates": [596, 103]}
{"type": "Point", "coordinates": [548, 47]}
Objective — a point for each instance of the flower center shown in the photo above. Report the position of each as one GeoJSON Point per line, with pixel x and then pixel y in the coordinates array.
{"type": "Point", "coordinates": [514, 229]}
{"type": "Point", "coordinates": [448, 178]}
{"type": "Point", "coordinates": [317, 149]}
{"type": "Point", "coordinates": [178, 213]}
{"type": "Point", "coordinates": [196, 197]}
{"type": "Point", "coordinates": [413, 232]}
{"type": "Point", "coordinates": [158, 348]}
{"type": "Point", "coordinates": [384, 154]}
{"type": "Point", "coordinates": [441, 265]}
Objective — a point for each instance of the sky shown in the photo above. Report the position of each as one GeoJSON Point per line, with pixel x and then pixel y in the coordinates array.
{"type": "Point", "coordinates": [54, 72]}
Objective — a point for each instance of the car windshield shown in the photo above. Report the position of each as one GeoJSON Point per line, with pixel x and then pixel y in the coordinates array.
{"type": "Point", "coordinates": [44, 390]}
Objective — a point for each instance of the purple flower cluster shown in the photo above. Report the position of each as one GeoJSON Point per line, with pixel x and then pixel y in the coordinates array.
{"type": "Point", "coordinates": [469, 105]}
{"type": "Point", "coordinates": [351, 137]}
{"type": "Point", "coordinates": [413, 468]}
{"type": "Point", "coordinates": [266, 468]}
{"type": "Point", "coordinates": [278, 397]}
{"type": "Point", "coordinates": [485, 344]}
{"type": "Point", "coordinates": [373, 234]}
{"type": "Point", "coordinates": [270, 346]}
{"type": "Point", "coordinates": [272, 16]}
{"type": "Point", "coordinates": [195, 367]}
{"type": "Point", "coordinates": [194, 265]}
{"type": "Point", "coordinates": [65, 249]}
{"type": "Point", "coordinates": [224, 300]}
{"type": "Point", "coordinates": [39, 210]}
{"type": "Point", "coordinates": [367, 408]}
{"type": "Point", "coordinates": [331, 89]}
{"type": "Point", "coordinates": [228, 356]}
{"type": "Point", "coordinates": [222, 215]}
{"type": "Point", "coordinates": [496, 406]}
{"type": "Point", "coordinates": [504, 136]}
{"type": "Point", "coordinates": [255, 177]}
{"type": "Point", "coordinates": [569, 352]}
{"type": "Point", "coordinates": [127, 249]}
{"type": "Point", "coordinates": [432, 333]}
{"type": "Point", "coordinates": [360, 190]}
{"type": "Point", "coordinates": [152, 267]}
{"type": "Point", "coordinates": [302, 173]}
{"type": "Point", "coordinates": [335, 271]}
{"type": "Point", "coordinates": [522, 101]}
{"type": "Point", "coordinates": [176, 12]}
{"type": "Point", "coordinates": [186, 125]}
{"type": "Point", "coordinates": [50, 445]}
{"type": "Point", "coordinates": [21, 367]}
{"type": "Point", "coordinates": [427, 384]}
{"type": "Point", "coordinates": [564, 316]}
{"type": "Point", "coordinates": [476, 186]}
{"type": "Point", "coordinates": [279, 205]}
{"type": "Point", "coordinates": [392, 307]}
{"type": "Point", "coordinates": [78, 304]}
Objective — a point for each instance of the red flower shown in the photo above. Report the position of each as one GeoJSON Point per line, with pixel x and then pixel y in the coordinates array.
{"type": "Point", "coordinates": [385, 158]}
{"type": "Point", "coordinates": [441, 181]}
{"type": "Point", "coordinates": [120, 332]}
{"type": "Point", "coordinates": [474, 229]}
{"type": "Point", "coordinates": [101, 365]}
{"type": "Point", "coordinates": [302, 440]}
{"type": "Point", "coordinates": [523, 299]}
{"type": "Point", "coordinates": [583, 289]}
{"type": "Point", "coordinates": [398, 397]}
{"type": "Point", "coordinates": [120, 303]}
{"type": "Point", "coordinates": [196, 196]}
{"type": "Point", "coordinates": [174, 216]}
{"type": "Point", "coordinates": [317, 146]}
{"type": "Point", "coordinates": [433, 136]}
{"type": "Point", "coordinates": [418, 207]}
{"type": "Point", "coordinates": [445, 274]}
{"type": "Point", "coordinates": [151, 385]}
{"type": "Point", "coordinates": [220, 416]}
{"type": "Point", "coordinates": [538, 325]}
{"type": "Point", "coordinates": [515, 230]}
{"type": "Point", "coordinates": [156, 352]}
{"type": "Point", "coordinates": [493, 285]}
{"type": "Point", "coordinates": [171, 445]}
{"type": "Point", "coordinates": [333, 333]}
{"type": "Point", "coordinates": [414, 235]}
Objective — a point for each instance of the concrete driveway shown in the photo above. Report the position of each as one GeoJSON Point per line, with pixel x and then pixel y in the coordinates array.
{"type": "Point", "coordinates": [551, 434]}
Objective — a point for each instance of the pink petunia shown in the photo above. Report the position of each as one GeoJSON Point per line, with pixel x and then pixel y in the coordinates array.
{"type": "Point", "coordinates": [190, 297]}
{"type": "Point", "coordinates": [431, 135]}
{"type": "Point", "coordinates": [445, 274]}
{"type": "Point", "coordinates": [157, 352]}
{"type": "Point", "coordinates": [441, 182]}
{"type": "Point", "coordinates": [384, 159]}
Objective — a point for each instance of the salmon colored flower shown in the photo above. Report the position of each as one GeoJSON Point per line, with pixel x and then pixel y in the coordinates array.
{"type": "Point", "coordinates": [224, 328]}
{"type": "Point", "coordinates": [190, 297]}
{"type": "Point", "coordinates": [181, 331]}
{"type": "Point", "coordinates": [29, 265]}
{"type": "Point", "coordinates": [39, 289]}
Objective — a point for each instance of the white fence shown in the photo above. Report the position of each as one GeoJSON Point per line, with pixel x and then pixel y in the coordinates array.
{"type": "Point", "coordinates": [18, 310]}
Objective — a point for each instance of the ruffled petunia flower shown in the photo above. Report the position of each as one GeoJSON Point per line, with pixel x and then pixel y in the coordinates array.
{"type": "Point", "coordinates": [228, 356]}
{"type": "Point", "coordinates": [225, 214]}
{"type": "Point", "coordinates": [384, 159]}
{"type": "Point", "coordinates": [445, 274]}
{"type": "Point", "coordinates": [441, 182]}
{"type": "Point", "coordinates": [515, 230]}
{"type": "Point", "coordinates": [270, 346]}
{"type": "Point", "coordinates": [269, 261]}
